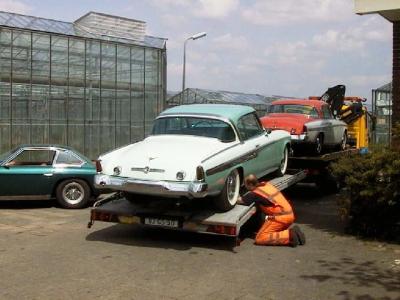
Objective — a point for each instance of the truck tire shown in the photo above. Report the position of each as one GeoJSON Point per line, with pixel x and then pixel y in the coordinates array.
{"type": "Point", "coordinates": [230, 193]}
{"type": "Point", "coordinates": [73, 193]}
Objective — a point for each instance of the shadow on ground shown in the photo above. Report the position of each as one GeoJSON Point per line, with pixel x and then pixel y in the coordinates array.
{"type": "Point", "coordinates": [27, 204]}
{"type": "Point", "coordinates": [314, 208]}
{"type": "Point", "coordinates": [140, 236]}
{"type": "Point", "coordinates": [352, 275]}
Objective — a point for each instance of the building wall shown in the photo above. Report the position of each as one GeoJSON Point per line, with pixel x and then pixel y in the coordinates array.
{"type": "Point", "coordinates": [89, 94]}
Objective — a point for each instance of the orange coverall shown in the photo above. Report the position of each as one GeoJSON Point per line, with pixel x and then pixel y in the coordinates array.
{"type": "Point", "coordinates": [275, 230]}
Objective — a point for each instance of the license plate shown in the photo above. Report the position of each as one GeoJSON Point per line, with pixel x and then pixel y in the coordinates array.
{"type": "Point", "coordinates": [161, 222]}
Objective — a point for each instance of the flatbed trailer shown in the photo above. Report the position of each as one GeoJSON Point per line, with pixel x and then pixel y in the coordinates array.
{"type": "Point", "coordinates": [182, 216]}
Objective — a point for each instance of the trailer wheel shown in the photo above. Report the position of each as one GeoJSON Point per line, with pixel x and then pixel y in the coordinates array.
{"type": "Point", "coordinates": [73, 193]}
{"type": "Point", "coordinates": [230, 193]}
{"type": "Point", "coordinates": [284, 163]}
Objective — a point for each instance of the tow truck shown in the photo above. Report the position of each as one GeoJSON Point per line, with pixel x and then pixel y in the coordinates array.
{"type": "Point", "coordinates": [196, 216]}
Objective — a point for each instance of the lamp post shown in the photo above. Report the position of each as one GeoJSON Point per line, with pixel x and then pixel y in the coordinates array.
{"type": "Point", "coordinates": [193, 37]}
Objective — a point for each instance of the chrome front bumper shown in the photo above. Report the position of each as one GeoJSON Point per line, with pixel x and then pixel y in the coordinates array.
{"type": "Point", "coordinates": [154, 188]}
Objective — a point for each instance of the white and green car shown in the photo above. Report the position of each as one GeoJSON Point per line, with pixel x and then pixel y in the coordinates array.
{"type": "Point", "coordinates": [196, 151]}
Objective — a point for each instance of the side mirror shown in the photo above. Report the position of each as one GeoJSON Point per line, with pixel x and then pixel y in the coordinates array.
{"type": "Point", "coordinates": [268, 131]}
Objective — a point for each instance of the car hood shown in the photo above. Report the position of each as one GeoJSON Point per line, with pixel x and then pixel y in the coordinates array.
{"type": "Point", "coordinates": [286, 122]}
{"type": "Point", "coordinates": [160, 157]}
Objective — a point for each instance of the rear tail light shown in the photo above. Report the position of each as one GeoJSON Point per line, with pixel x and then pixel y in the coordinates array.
{"type": "Point", "coordinates": [222, 229]}
{"type": "Point", "coordinates": [304, 129]}
{"type": "Point", "coordinates": [200, 175]}
{"type": "Point", "coordinates": [98, 166]}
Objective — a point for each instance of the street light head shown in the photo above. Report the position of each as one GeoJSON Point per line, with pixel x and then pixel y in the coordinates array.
{"type": "Point", "coordinates": [198, 35]}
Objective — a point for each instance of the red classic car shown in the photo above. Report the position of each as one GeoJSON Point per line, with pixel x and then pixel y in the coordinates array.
{"type": "Point", "coordinates": [309, 122]}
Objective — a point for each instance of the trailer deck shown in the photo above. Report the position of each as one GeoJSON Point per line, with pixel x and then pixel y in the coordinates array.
{"type": "Point", "coordinates": [181, 216]}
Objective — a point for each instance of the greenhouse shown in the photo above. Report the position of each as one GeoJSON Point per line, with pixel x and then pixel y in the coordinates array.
{"type": "Point", "coordinates": [190, 96]}
{"type": "Point", "coordinates": [382, 110]}
{"type": "Point", "coordinates": [94, 84]}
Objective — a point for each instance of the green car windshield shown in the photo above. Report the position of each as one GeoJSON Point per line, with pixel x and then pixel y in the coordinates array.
{"type": "Point", "coordinates": [294, 109]}
{"type": "Point", "coordinates": [194, 126]}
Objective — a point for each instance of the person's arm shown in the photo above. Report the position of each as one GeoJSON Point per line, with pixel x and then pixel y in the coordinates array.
{"type": "Point", "coordinates": [250, 197]}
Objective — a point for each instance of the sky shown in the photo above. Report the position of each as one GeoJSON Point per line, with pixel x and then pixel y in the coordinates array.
{"type": "Point", "coordinates": [270, 47]}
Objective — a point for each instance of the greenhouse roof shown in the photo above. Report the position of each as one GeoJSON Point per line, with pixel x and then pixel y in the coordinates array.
{"type": "Point", "coordinates": [224, 97]}
{"type": "Point", "coordinates": [119, 29]}
{"type": "Point", "coordinates": [385, 88]}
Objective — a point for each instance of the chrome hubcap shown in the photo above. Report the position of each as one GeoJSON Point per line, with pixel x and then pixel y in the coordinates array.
{"type": "Point", "coordinates": [73, 193]}
{"type": "Point", "coordinates": [232, 188]}
{"type": "Point", "coordinates": [284, 161]}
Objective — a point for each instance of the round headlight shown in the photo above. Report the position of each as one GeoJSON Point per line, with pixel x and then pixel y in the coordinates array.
{"type": "Point", "coordinates": [117, 171]}
{"type": "Point", "coordinates": [180, 175]}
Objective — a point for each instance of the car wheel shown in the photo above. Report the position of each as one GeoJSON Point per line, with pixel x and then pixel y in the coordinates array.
{"type": "Point", "coordinates": [343, 143]}
{"type": "Point", "coordinates": [284, 163]}
{"type": "Point", "coordinates": [73, 193]}
{"type": "Point", "coordinates": [318, 145]}
{"type": "Point", "coordinates": [230, 193]}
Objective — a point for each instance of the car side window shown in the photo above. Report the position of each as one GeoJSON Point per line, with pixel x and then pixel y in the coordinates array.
{"type": "Point", "coordinates": [314, 113]}
{"type": "Point", "coordinates": [248, 126]}
{"type": "Point", "coordinates": [33, 158]}
{"type": "Point", "coordinates": [326, 112]}
{"type": "Point", "coordinates": [67, 158]}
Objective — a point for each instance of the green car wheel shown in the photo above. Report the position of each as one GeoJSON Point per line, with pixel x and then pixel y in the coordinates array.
{"type": "Point", "coordinates": [73, 193]}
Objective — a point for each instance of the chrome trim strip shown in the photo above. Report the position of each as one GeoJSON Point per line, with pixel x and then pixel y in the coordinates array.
{"type": "Point", "coordinates": [147, 170]}
{"type": "Point", "coordinates": [238, 160]}
{"type": "Point", "coordinates": [219, 152]}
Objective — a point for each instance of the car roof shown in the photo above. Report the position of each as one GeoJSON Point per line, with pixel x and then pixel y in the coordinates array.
{"type": "Point", "coordinates": [225, 111]}
{"type": "Point", "coordinates": [45, 146]}
{"type": "Point", "coordinates": [314, 103]}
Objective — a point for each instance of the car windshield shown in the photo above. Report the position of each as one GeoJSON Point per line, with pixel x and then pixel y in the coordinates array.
{"type": "Point", "coordinates": [293, 109]}
{"type": "Point", "coordinates": [194, 126]}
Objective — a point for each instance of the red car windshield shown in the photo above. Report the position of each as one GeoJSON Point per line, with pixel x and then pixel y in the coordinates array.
{"type": "Point", "coordinates": [294, 109]}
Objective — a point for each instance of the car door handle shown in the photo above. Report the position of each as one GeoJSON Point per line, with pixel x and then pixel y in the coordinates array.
{"type": "Point", "coordinates": [257, 146]}
{"type": "Point", "coordinates": [48, 174]}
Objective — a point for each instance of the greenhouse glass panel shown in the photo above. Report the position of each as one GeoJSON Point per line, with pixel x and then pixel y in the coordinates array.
{"type": "Point", "coordinates": [151, 89]}
{"type": "Point", "coordinates": [5, 89]}
{"type": "Point", "coordinates": [137, 94]}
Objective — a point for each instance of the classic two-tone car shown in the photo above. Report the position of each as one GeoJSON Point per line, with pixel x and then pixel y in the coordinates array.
{"type": "Point", "coordinates": [196, 151]}
{"type": "Point", "coordinates": [309, 122]}
{"type": "Point", "coordinates": [46, 171]}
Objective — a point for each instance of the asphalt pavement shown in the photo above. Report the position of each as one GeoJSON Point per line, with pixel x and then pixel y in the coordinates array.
{"type": "Point", "coordinates": [47, 252]}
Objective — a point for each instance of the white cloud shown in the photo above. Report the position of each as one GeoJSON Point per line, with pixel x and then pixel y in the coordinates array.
{"type": "Point", "coordinates": [354, 38]}
{"type": "Point", "coordinates": [278, 12]}
{"type": "Point", "coordinates": [14, 6]}
{"type": "Point", "coordinates": [229, 41]}
{"type": "Point", "coordinates": [215, 8]}
{"type": "Point", "coordinates": [200, 8]}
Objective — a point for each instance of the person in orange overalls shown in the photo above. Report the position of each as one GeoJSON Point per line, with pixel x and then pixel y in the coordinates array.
{"type": "Point", "coordinates": [278, 212]}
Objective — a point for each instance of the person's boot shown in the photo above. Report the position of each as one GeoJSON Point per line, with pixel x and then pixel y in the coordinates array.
{"type": "Point", "coordinates": [293, 238]}
{"type": "Point", "coordinates": [300, 235]}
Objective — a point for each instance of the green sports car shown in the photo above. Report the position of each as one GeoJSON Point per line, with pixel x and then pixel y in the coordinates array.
{"type": "Point", "coordinates": [47, 171]}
